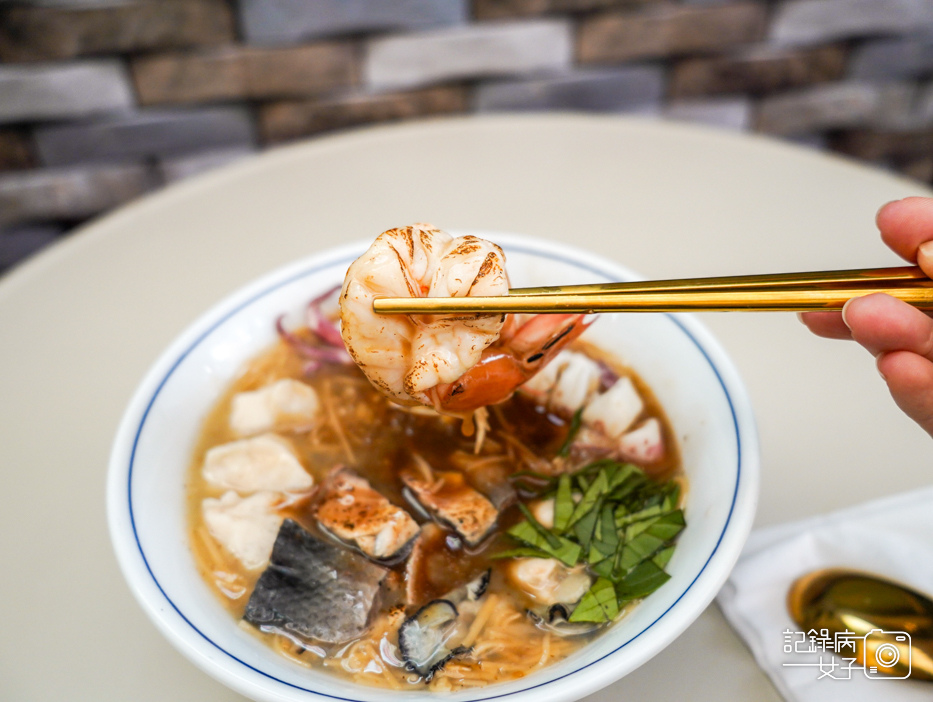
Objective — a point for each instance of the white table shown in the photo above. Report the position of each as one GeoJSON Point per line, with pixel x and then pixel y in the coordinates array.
{"type": "Point", "coordinates": [80, 324]}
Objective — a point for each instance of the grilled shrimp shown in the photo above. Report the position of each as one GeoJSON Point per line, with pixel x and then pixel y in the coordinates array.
{"type": "Point", "coordinates": [453, 363]}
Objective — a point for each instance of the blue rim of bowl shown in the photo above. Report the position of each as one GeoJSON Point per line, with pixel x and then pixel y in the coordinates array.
{"type": "Point", "coordinates": [563, 258]}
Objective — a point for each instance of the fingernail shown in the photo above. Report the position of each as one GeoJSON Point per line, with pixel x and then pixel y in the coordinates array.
{"type": "Point", "coordinates": [845, 308]}
{"type": "Point", "coordinates": [878, 365]}
{"type": "Point", "coordinates": [926, 249]}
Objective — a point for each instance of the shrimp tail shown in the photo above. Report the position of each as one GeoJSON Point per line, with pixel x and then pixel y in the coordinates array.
{"type": "Point", "coordinates": [507, 364]}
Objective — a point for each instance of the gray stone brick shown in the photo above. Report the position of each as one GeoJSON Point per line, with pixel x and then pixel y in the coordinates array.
{"type": "Point", "coordinates": [668, 30]}
{"type": "Point", "coordinates": [758, 71]}
{"type": "Point", "coordinates": [831, 106]}
{"type": "Point", "coordinates": [814, 21]}
{"type": "Point", "coordinates": [874, 145]}
{"type": "Point", "coordinates": [285, 21]}
{"type": "Point", "coordinates": [478, 51]}
{"type": "Point", "coordinates": [893, 58]}
{"type": "Point", "coordinates": [902, 109]}
{"type": "Point", "coordinates": [594, 89]}
{"type": "Point", "coordinates": [503, 9]}
{"type": "Point", "coordinates": [173, 169]}
{"type": "Point", "coordinates": [289, 119]}
{"type": "Point", "coordinates": [71, 194]}
{"type": "Point", "coordinates": [728, 113]}
{"type": "Point", "coordinates": [924, 105]}
{"type": "Point", "coordinates": [31, 33]}
{"type": "Point", "coordinates": [60, 91]}
{"type": "Point", "coordinates": [145, 134]}
{"type": "Point", "coordinates": [16, 150]}
{"type": "Point", "coordinates": [18, 243]}
{"type": "Point", "coordinates": [243, 72]}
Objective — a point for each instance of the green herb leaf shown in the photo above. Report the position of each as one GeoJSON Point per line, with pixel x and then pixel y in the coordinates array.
{"type": "Point", "coordinates": [521, 552]}
{"type": "Point", "coordinates": [575, 423]}
{"type": "Point", "coordinates": [669, 525]}
{"type": "Point", "coordinates": [599, 604]}
{"type": "Point", "coordinates": [636, 550]}
{"type": "Point", "coordinates": [672, 499]}
{"type": "Point", "coordinates": [563, 504]}
{"type": "Point", "coordinates": [663, 557]}
{"type": "Point", "coordinates": [642, 581]}
{"type": "Point", "coordinates": [583, 529]}
{"type": "Point", "coordinates": [552, 539]}
{"type": "Point", "coordinates": [596, 489]}
{"type": "Point", "coordinates": [566, 551]}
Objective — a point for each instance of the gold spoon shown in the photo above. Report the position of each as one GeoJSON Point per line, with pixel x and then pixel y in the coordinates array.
{"type": "Point", "coordinates": [846, 600]}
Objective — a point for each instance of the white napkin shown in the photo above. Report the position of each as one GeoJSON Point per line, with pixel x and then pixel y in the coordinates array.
{"type": "Point", "coordinates": [891, 537]}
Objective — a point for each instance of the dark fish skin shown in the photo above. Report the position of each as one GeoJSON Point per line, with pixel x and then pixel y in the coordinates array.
{"type": "Point", "coordinates": [314, 589]}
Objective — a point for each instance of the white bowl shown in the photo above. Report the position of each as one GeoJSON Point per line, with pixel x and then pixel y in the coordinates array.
{"type": "Point", "coordinates": [692, 377]}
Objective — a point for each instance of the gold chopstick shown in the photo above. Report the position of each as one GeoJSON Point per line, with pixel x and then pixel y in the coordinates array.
{"type": "Point", "coordinates": [899, 275]}
{"type": "Point", "coordinates": [796, 292]}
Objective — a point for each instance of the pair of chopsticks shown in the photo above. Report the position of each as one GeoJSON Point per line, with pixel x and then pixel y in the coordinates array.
{"type": "Point", "coordinates": [791, 292]}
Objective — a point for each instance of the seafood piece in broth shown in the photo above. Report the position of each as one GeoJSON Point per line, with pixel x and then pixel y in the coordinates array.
{"type": "Point", "coordinates": [453, 363]}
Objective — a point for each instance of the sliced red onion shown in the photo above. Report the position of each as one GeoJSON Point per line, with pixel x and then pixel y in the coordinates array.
{"type": "Point", "coordinates": [319, 323]}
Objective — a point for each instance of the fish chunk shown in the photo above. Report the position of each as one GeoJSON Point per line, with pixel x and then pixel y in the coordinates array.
{"type": "Point", "coordinates": [284, 404]}
{"type": "Point", "coordinates": [314, 589]}
{"type": "Point", "coordinates": [354, 512]}
{"type": "Point", "coordinates": [450, 499]}
{"type": "Point", "coordinates": [245, 526]}
{"type": "Point", "coordinates": [615, 410]}
{"type": "Point", "coordinates": [265, 462]}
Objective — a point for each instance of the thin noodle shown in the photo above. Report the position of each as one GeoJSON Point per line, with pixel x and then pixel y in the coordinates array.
{"type": "Point", "coordinates": [545, 650]}
{"type": "Point", "coordinates": [335, 423]}
{"type": "Point", "coordinates": [480, 621]}
{"type": "Point", "coordinates": [217, 559]}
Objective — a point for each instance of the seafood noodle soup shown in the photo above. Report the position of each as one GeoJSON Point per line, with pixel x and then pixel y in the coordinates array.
{"type": "Point", "coordinates": [435, 529]}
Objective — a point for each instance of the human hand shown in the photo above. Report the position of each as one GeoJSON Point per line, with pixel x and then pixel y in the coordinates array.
{"type": "Point", "coordinates": [899, 336]}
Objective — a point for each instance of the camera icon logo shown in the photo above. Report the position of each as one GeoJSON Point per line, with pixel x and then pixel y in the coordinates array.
{"type": "Point", "coordinates": [887, 654]}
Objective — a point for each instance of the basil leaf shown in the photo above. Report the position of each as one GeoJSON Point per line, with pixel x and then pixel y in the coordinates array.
{"type": "Point", "coordinates": [640, 548]}
{"type": "Point", "coordinates": [521, 552]}
{"type": "Point", "coordinates": [552, 540]}
{"type": "Point", "coordinates": [575, 423]}
{"type": "Point", "coordinates": [669, 525]}
{"type": "Point", "coordinates": [624, 518]}
{"type": "Point", "coordinates": [583, 529]}
{"type": "Point", "coordinates": [642, 581]}
{"type": "Point", "coordinates": [566, 551]}
{"type": "Point", "coordinates": [596, 489]}
{"type": "Point", "coordinates": [599, 604]}
{"type": "Point", "coordinates": [563, 504]}
{"type": "Point", "coordinates": [663, 557]}
{"type": "Point", "coordinates": [673, 497]}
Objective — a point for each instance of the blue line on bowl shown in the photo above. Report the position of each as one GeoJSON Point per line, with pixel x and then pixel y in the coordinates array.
{"type": "Point", "coordinates": [347, 260]}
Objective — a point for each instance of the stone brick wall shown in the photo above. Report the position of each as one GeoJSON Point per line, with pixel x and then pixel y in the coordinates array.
{"type": "Point", "coordinates": [104, 100]}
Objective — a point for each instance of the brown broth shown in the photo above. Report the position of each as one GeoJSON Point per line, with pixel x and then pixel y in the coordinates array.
{"type": "Point", "coordinates": [361, 429]}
